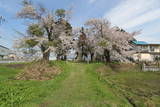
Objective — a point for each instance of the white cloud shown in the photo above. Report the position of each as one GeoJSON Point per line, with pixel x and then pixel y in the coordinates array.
{"type": "Point", "coordinates": [132, 13]}
{"type": "Point", "coordinates": [149, 38]}
{"type": "Point", "coordinates": [92, 1]}
{"type": "Point", "coordinates": [150, 33]}
{"type": "Point", "coordinates": [144, 18]}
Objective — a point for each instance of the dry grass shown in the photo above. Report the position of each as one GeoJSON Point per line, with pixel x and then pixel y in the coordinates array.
{"type": "Point", "coordinates": [125, 67]}
{"type": "Point", "coordinates": [110, 69]}
{"type": "Point", "coordinates": [39, 71]}
{"type": "Point", "coordinates": [105, 70]}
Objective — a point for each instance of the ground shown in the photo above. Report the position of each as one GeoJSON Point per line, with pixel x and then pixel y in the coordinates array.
{"type": "Point", "coordinates": [81, 85]}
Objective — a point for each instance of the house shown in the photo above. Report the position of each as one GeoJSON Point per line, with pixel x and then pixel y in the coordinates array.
{"type": "Point", "coordinates": [6, 53]}
{"type": "Point", "coordinates": [146, 51]}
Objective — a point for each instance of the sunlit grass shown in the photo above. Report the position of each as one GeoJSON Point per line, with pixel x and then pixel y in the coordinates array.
{"type": "Point", "coordinates": [81, 85]}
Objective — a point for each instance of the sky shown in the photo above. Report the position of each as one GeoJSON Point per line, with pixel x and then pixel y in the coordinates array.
{"type": "Point", "coordinates": [131, 15]}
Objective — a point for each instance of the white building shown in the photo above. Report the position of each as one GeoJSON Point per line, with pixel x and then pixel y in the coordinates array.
{"type": "Point", "coordinates": [6, 53]}
{"type": "Point", "coordinates": [146, 51]}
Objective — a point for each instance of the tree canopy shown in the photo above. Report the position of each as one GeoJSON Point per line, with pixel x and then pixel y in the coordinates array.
{"type": "Point", "coordinates": [96, 41]}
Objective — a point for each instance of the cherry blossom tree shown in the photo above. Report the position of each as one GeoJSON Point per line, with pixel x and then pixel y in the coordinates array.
{"type": "Point", "coordinates": [46, 28]}
{"type": "Point", "coordinates": [96, 41]}
{"type": "Point", "coordinates": [106, 43]}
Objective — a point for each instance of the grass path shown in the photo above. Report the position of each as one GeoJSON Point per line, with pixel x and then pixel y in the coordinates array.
{"type": "Point", "coordinates": [83, 89]}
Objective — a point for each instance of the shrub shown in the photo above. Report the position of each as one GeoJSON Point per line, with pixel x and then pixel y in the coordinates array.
{"type": "Point", "coordinates": [39, 71]}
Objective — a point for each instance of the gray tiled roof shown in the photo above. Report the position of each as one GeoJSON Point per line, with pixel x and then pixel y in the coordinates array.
{"type": "Point", "coordinates": [4, 50]}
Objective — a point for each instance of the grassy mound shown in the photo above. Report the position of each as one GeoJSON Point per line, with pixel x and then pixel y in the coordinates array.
{"type": "Point", "coordinates": [21, 93]}
{"type": "Point", "coordinates": [39, 71]}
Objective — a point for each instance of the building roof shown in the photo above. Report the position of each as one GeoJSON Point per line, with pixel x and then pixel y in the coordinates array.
{"type": "Point", "coordinates": [145, 43]}
{"type": "Point", "coordinates": [140, 43]}
{"type": "Point", "coordinates": [4, 51]}
{"type": "Point", "coordinates": [4, 47]}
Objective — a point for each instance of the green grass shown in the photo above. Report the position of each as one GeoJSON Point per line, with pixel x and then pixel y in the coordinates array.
{"type": "Point", "coordinates": [81, 85]}
{"type": "Point", "coordinates": [18, 93]}
{"type": "Point", "coordinates": [83, 89]}
{"type": "Point", "coordinates": [142, 89]}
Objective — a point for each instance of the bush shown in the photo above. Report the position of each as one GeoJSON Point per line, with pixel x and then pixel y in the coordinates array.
{"type": "Point", "coordinates": [39, 71]}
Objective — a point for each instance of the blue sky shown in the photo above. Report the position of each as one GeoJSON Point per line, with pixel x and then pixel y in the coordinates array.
{"type": "Point", "coordinates": [129, 14]}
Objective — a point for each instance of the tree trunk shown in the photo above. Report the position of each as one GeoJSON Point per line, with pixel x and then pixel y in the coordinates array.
{"type": "Point", "coordinates": [92, 57]}
{"type": "Point", "coordinates": [65, 57]}
{"type": "Point", "coordinates": [46, 56]}
{"type": "Point", "coordinates": [107, 56]}
{"type": "Point", "coordinates": [76, 56]}
{"type": "Point", "coordinates": [79, 57]}
{"type": "Point", "coordinates": [45, 51]}
{"type": "Point", "coordinates": [58, 56]}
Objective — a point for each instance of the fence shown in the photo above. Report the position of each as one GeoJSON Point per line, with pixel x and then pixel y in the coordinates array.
{"type": "Point", "coordinates": [150, 68]}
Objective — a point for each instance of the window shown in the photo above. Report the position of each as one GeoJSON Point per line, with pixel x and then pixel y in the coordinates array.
{"type": "Point", "coordinates": [152, 48]}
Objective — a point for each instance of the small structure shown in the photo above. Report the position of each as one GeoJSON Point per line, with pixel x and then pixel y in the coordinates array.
{"type": "Point", "coordinates": [151, 66]}
{"type": "Point", "coordinates": [6, 53]}
{"type": "Point", "coordinates": [146, 51]}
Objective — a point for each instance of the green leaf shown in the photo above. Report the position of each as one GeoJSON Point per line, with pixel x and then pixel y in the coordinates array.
{"type": "Point", "coordinates": [31, 43]}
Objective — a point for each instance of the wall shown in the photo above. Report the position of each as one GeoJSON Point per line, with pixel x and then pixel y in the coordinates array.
{"type": "Point", "coordinates": [150, 68]}
{"type": "Point", "coordinates": [143, 57]}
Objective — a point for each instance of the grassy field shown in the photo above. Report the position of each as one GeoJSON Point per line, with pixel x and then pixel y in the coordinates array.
{"type": "Point", "coordinates": [81, 85]}
{"type": "Point", "coordinates": [141, 89]}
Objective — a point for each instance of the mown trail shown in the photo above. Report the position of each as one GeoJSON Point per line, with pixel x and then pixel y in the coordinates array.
{"type": "Point", "coordinates": [83, 89]}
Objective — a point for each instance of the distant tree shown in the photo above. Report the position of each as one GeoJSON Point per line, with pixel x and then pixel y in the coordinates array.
{"type": "Point", "coordinates": [1, 19]}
